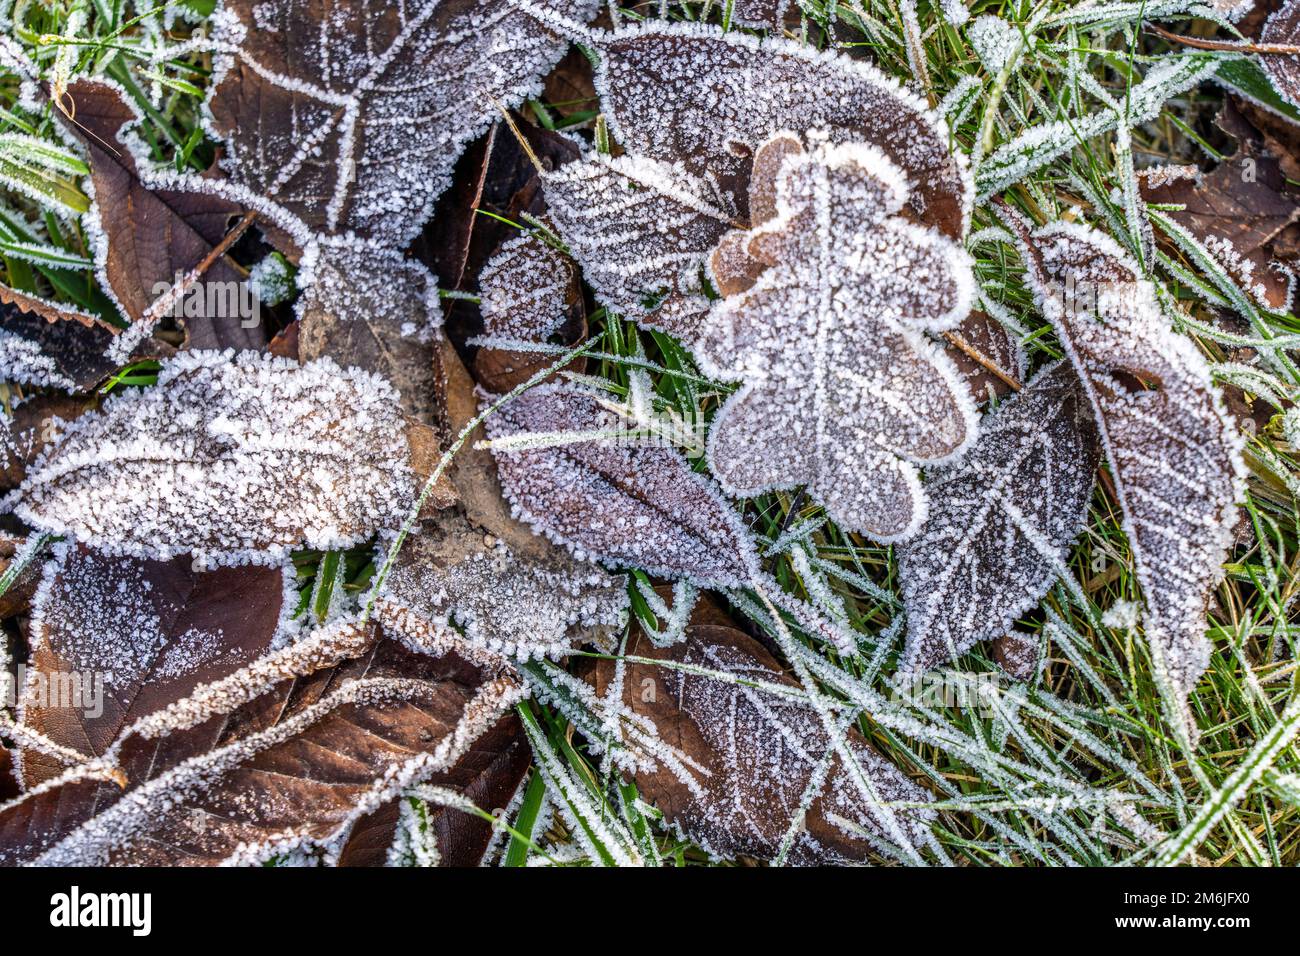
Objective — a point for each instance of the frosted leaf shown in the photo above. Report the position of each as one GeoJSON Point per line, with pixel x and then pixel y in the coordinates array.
{"type": "Point", "coordinates": [136, 635]}
{"type": "Point", "coordinates": [752, 754]}
{"type": "Point", "coordinates": [50, 346]}
{"type": "Point", "coordinates": [524, 289]}
{"type": "Point", "coordinates": [1173, 451]}
{"type": "Point", "coordinates": [641, 230]}
{"type": "Point", "coordinates": [1283, 28]}
{"type": "Point", "coordinates": [372, 729]}
{"type": "Point", "coordinates": [352, 116]}
{"type": "Point", "coordinates": [842, 387]}
{"type": "Point", "coordinates": [504, 603]}
{"type": "Point", "coordinates": [1017, 654]}
{"type": "Point", "coordinates": [233, 457]}
{"type": "Point", "coordinates": [688, 93]}
{"type": "Point", "coordinates": [368, 306]}
{"type": "Point", "coordinates": [1001, 521]}
{"type": "Point", "coordinates": [620, 500]}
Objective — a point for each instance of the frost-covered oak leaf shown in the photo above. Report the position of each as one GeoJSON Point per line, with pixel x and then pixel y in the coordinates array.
{"type": "Point", "coordinates": [351, 115]}
{"type": "Point", "coordinates": [689, 93]}
{"type": "Point", "coordinates": [753, 754]}
{"type": "Point", "coordinates": [503, 603]}
{"type": "Point", "coordinates": [843, 389]}
{"type": "Point", "coordinates": [1173, 450]}
{"type": "Point", "coordinates": [235, 458]}
{"type": "Point", "coordinates": [622, 501]}
{"type": "Point", "coordinates": [142, 634]}
{"type": "Point", "coordinates": [1001, 521]}
{"type": "Point", "coordinates": [641, 229]}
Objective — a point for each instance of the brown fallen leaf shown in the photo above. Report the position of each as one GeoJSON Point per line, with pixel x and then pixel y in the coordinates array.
{"type": "Point", "coordinates": [491, 773]}
{"type": "Point", "coordinates": [369, 307]}
{"type": "Point", "coordinates": [1237, 211]}
{"type": "Point", "coordinates": [503, 603]}
{"type": "Point", "coordinates": [48, 345]}
{"type": "Point", "coordinates": [35, 423]}
{"type": "Point", "coordinates": [155, 233]}
{"type": "Point", "coordinates": [134, 636]}
{"type": "Point", "coordinates": [1174, 452]}
{"type": "Point", "coordinates": [8, 782]}
{"type": "Point", "coordinates": [988, 354]}
{"type": "Point", "coordinates": [629, 503]}
{"type": "Point", "coordinates": [754, 753]}
{"type": "Point", "coordinates": [296, 770]}
{"type": "Point", "coordinates": [334, 112]}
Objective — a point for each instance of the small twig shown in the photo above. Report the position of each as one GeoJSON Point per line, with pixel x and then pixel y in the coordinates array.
{"type": "Point", "coordinates": [975, 355]}
{"type": "Point", "coordinates": [165, 301]}
{"type": "Point", "coordinates": [1229, 46]}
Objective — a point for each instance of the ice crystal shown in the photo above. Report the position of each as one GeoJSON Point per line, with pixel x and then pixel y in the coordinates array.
{"type": "Point", "coordinates": [523, 289]}
{"type": "Point", "coordinates": [1001, 521]}
{"type": "Point", "coordinates": [1174, 453]}
{"type": "Point", "coordinates": [353, 116]}
{"type": "Point", "coordinates": [841, 383]}
{"type": "Point", "coordinates": [610, 495]}
{"type": "Point", "coordinates": [641, 229]}
{"type": "Point", "coordinates": [506, 604]}
{"type": "Point", "coordinates": [234, 457]}
{"type": "Point", "coordinates": [688, 93]}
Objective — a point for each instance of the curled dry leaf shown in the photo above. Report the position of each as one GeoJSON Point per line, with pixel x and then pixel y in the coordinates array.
{"type": "Point", "coordinates": [641, 229]}
{"type": "Point", "coordinates": [295, 771]}
{"type": "Point", "coordinates": [136, 635]}
{"type": "Point", "coordinates": [234, 458]}
{"type": "Point", "coordinates": [150, 226]}
{"type": "Point", "coordinates": [504, 604]}
{"type": "Point", "coordinates": [691, 94]}
{"type": "Point", "coordinates": [754, 753]}
{"type": "Point", "coordinates": [50, 346]}
{"type": "Point", "coordinates": [841, 383]}
{"type": "Point", "coordinates": [1001, 521]}
{"type": "Point", "coordinates": [611, 496]}
{"type": "Point", "coordinates": [1173, 451]}
{"type": "Point", "coordinates": [352, 116]}
{"type": "Point", "coordinates": [369, 307]}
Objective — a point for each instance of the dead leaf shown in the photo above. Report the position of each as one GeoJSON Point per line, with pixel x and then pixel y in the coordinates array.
{"type": "Point", "coordinates": [34, 424]}
{"type": "Point", "coordinates": [988, 354]}
{"type": "Point", "coordinates": [233, 458]}
{"type": "Point", "coordinates": [134, 636]}
{"type": "Point", "coordinates": [689, 93]}
{"type": "Point", "coordinates": [842, 389]}
{"type": "Point", "coordinates": [1001, 521]}
{"type": "Point", "coordinates": [352, 117]}
{"type": "Point", "coordinates": [756, 752]}
{"type": "Point", "coordinates": [626, 502]}
{"type": "Point", "coordinates": [155, 231]}
{"type": "Point", "coordinates": [1174, 453]}
{"type": "Point", "coordinates": [50, 346]}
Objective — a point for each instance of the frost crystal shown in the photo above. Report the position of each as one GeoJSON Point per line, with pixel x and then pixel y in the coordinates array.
{"type": "Point", "coordinates": [524, 289]}
{"type": "Point", "coordinates": [761, 764]}
{"type": "Point", "coordinates": [236, 458]}
{"type": "Point", "coordinates": [353, 116]}
{"type": "Point", "coordinates": [612, 496]}
{"type": "Point", "coordinates": [506, 604]}
{"type": "Point", "coordinates": [688, 93]}
{"type": "Point", "coordinates": [1174, 453]}
{"type": "Point", "coordinates": [994, 40]}
{"type": "Point", "coordinates": [841, 382]}
{"type": "Point", "coordinates": [641, 229]}
{"type": "Point", "coordinates": [1001, 521]}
